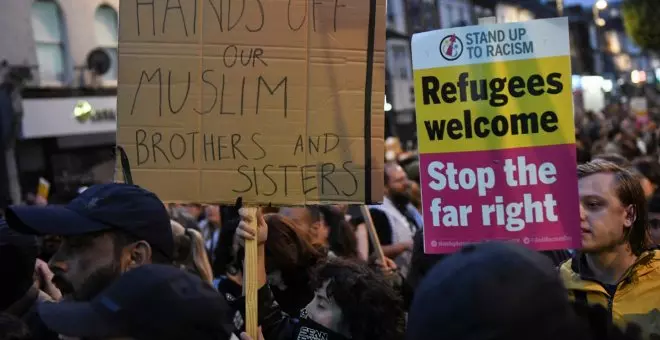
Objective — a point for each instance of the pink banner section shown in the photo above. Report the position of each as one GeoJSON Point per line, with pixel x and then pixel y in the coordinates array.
{"type": "Point", "coordinates": [524, 195]}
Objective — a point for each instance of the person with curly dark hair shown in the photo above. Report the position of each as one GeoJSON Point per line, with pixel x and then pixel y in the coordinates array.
{"type": "Point", "coordinates": [350, 300]}
{"type": "Point", "coordinates": [357, 300]}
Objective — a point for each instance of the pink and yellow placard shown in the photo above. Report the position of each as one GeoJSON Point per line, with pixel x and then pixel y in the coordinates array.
{"type": "Point", "coordinates": [496, 135]}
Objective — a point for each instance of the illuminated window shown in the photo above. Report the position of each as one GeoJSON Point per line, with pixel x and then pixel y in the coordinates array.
{"type": "Point", "coordinates": [48, 30]}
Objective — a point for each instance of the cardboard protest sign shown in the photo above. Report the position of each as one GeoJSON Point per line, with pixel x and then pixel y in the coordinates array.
{"type": "Point", "coordinates": [275, 101]}
{"type": "Point", "coordinates": [496, 135]}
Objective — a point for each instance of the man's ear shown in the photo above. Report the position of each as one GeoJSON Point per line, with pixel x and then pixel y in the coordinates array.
{"type": "Point", "coordinates": [631, 216]}
{"type": "Point", "coordinates": [135, 255]}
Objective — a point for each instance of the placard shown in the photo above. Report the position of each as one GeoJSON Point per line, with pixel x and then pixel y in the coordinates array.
{"type": "Point", "coordinates": [275, 101]}
{"type": "Point", "coordinates": [496, 135]}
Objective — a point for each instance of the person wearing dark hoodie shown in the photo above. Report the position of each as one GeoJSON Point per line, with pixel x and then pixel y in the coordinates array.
{"type": "Point", "coordinates": [20, 293]}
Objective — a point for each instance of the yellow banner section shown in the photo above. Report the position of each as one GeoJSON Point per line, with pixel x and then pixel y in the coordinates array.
{"type": "Point", "coordinates": [493, 106]}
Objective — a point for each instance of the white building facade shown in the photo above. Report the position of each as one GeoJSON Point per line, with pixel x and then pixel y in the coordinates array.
{"type": "Point", "coordinates": [53, 38]}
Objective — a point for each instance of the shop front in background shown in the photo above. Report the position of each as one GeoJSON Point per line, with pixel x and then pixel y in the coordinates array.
{"type": "Point", "coordinates": [70, 151]}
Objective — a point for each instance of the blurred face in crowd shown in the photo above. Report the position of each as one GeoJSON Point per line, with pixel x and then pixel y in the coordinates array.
{"type": "Point", "coordinates": [603, 218]}
{"type": "Point", "coordinates": [318, 230]}
{"type": "Point", "coordinates": [86, 264]}
{"type": "Point", "coordinates": [194, 210]}
{"type": "Point", "coordinates": [80, 260]}
{"type": "Point", "coordinates": [654, 230]}
{"type": "Point", "coordinates": [213, 214]}
{"type": "Point", "coordinates": [648, 186]}
{"type": "Point", "coordinates": [398, 185]}
{"type": "Point", "coordinates": [324, 311]}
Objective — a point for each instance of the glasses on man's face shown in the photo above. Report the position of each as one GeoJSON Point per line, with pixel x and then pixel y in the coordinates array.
{"type": "Point", "coordinates": [655, 223]}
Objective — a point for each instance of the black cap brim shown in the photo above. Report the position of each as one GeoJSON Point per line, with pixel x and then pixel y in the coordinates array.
{"type": "Point", "coordinates": [50, 220]}
{"type": "Point", "coordinates": [79, 319]}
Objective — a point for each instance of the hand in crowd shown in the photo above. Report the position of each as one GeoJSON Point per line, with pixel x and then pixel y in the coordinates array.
{"type": "Point", "coordinates": [44, 280]}
{"type": "Point", "coordinates": [388, 266]}
{"type": "Point", "coordinates": [40, 201]}
{"type": "Point", "coordinates": [246, 231]}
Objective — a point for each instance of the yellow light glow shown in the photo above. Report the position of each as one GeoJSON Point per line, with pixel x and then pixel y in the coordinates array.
{"type": "Point", "coordinates": [83, 111]}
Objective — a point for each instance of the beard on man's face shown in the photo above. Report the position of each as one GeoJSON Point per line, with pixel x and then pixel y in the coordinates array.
{"type": "Point", "coordinates": [96, 282]}
{"type": "Point", "coordinates": [400, 198]}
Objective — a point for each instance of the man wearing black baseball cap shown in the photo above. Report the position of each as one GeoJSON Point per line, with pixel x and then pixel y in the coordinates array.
{"type": "Point", "coordinates": [107, 230]}
{"type": "Point", "coordinates": [151, 302]}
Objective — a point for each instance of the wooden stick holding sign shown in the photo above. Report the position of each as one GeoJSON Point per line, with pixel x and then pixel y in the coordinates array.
{"type": "Point", "coordinates": [250, 278]}
{"type": "Point", "coordinates": [373, 236]}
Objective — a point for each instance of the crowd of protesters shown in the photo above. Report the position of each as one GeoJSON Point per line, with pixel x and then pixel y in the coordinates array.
{"type": "Point", "coordinates": [116, 263]}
